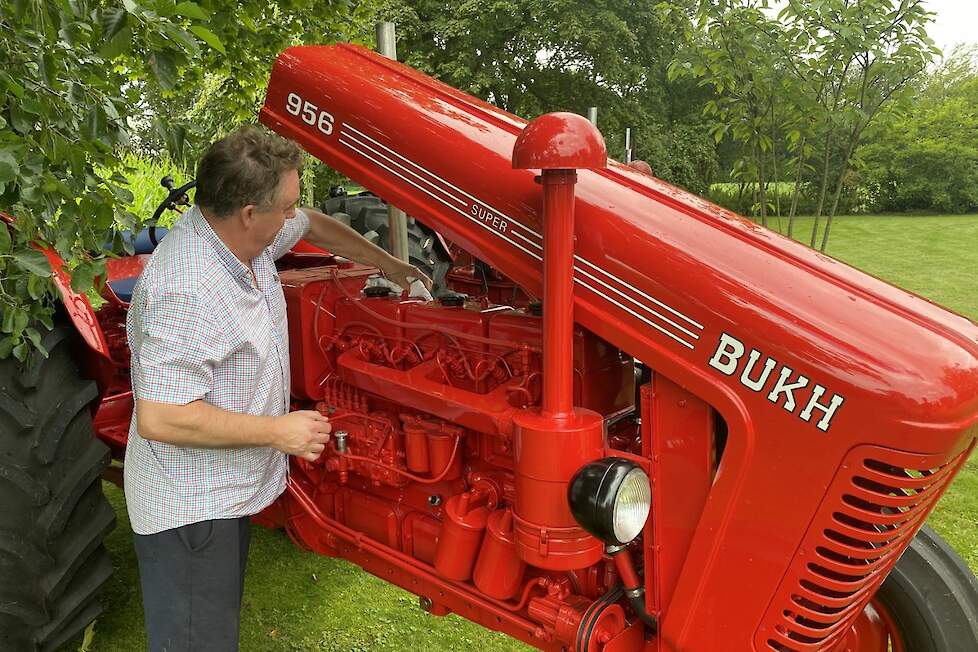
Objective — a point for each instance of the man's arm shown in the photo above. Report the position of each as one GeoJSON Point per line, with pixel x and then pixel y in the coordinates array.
{"type": "Point", "coordinates": [337, 238]}
{"type": "Point", "coordinates": [199, 424]}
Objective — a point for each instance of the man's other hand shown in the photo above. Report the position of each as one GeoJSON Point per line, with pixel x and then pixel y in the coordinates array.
{"type": "Point", "coordinates": [302, 433]}
{"type": "Point", "coordinates": [404, 273]}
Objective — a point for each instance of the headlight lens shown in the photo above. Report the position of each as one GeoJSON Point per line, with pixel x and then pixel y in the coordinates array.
{"type": "Point", "coordinates": [632, 505]}
{"type": "Point", "coordinates": [611, 499]}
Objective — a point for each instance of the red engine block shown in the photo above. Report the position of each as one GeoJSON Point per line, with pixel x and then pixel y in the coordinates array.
{"type": "Point", "coordinates": [429, 477]}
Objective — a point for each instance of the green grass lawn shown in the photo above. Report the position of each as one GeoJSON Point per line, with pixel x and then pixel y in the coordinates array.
{"type": "Point", "coordinates": [298, 601]}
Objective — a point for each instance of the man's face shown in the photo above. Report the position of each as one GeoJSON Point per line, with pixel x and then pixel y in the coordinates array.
{"type": "Point", "coordinates": [268, 222]}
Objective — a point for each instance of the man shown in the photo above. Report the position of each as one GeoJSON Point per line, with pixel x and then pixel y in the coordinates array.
{"type": "Point", "coordinates": [211, 428]}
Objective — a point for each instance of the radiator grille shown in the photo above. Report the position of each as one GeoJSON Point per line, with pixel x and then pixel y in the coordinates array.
{"type": "Point", "coordinates": [875, 505]}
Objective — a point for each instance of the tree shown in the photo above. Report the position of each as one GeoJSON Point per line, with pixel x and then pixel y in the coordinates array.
{"type": "Point", "coordinates": [819, 75]}
{"type": "Point", "coordinates": [752, 64]}
{"type": "Point", "coordinates": [863, 55]}
{"type": "Point", "coordinates": [926, 157]}
{"type": "Point", "coordinates": [80, 78]}
{"type": "Point", "coordinates": [531, 56]}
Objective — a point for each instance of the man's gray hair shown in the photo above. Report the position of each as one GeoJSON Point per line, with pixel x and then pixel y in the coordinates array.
{"type": "Point", "coordinates": [245, 167]}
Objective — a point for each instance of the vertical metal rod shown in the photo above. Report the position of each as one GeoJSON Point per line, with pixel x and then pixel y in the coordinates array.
{"type": "Point", "coordinates": [628, 144]}
{"type": "Point", "coordinates": [397, 237]}
{"type": "Point", "coordinates": [558, 292]}
{"type": "Point", "coordinates": [592, 115]}
{"type": "Point", "coordinates": [387, 40]}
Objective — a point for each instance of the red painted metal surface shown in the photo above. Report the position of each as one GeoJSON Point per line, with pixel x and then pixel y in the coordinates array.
{"type": "Point", "coordinates": [560, 141]}
{"type": "Point", "coordinates": [558, 290]}
{"type": "Point", "coordinates": [430, 397]}
{"type": "Point", "coordinates": [499, 570]}
{"type": "Point", "coordinates": [552, 444]}
{"type": "Point", "coordinates": [808, 362]}
{"type": "Point", "coordinates": [679, 435]}
{"type": "Point", "coordinates": [77, 306]}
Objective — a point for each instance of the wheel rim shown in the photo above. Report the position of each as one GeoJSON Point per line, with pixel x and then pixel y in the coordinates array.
{"type": "Point", "coordinates": [874, 631]}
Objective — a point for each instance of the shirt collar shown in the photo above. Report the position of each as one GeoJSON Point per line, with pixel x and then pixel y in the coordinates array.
{"type": "Point", "coordinates": [231, 262]}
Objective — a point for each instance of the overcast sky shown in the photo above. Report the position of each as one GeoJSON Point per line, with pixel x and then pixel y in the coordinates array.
{"type": "Point", "coordinates": [956, 22]}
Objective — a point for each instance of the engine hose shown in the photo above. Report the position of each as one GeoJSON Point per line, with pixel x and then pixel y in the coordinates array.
{"type": "Point", "coordinates": [632, 583]}
{"type": "Point", "coordinates": [424, 326]}
{"type": "Point", "coordinates": [409, 476]}
{"type": "Point", "coordinates": [636, 598]}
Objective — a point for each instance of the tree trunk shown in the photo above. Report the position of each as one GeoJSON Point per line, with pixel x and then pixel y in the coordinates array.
{"type": "Point", "coordinates": [823, 188]}
{"type": "Point", "coordinates": [776, 180]}
{"type": "Point", "coordinates": [753, 200]}
{"type": "Point", "coordinates": [774, 165]}
{"type": "Point", "coordinates": [828, 152]}
{"type": "Point", "coordinates": [853, 140]}
{"type": "Point", "coordinates": [797, 190]}
{"type": "Point", "coordinates": [761, 183]}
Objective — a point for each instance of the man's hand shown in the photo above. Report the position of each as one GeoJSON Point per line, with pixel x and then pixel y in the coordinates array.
{"type": "Point", "coordinates": [303, 433]}
{"type": "Point", "coordinates": [404, 273]}
{"type": "Point", "coordinates": [199, 424]}
{"type": "Point", "coordinates": [339, 239]}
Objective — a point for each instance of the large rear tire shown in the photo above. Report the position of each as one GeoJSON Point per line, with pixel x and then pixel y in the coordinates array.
{"type": "Point", "coordinates": [367, 215]}
{"type": "Point", "coordinates": [54, 516]}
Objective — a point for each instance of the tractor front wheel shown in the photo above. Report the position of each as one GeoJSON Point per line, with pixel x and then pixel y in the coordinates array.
{"type": "Point", "coordinates": [53, 516]}
{"type": "Point", "coordinates": [928, 603]}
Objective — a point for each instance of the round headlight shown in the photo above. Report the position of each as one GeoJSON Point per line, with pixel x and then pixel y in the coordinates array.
{"type": "Point", "coordinates": [611, 498]}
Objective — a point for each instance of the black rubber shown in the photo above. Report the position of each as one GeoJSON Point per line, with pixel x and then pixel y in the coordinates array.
{"type": "Point", "coordinates": [593, 615]}
{"type": "Point", "coordinates": [53, 516]}
{"type": "Point", "coordinates": [933, 597]}
{"type": "Point", "coordinates": [368, 216]}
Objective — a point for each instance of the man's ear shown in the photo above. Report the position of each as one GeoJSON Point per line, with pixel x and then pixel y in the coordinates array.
{"type": "Point", "coordinates": [247, 216]}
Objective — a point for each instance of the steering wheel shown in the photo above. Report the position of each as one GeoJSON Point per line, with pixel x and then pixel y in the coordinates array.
{"type": "Point", "coordinates": [176, 197]}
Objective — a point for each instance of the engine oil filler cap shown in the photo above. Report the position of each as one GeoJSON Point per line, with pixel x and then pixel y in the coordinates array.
{"type": "Point", "coordinates": [375, 291]}
{"type": "Point", "coordinates": [452, 300]}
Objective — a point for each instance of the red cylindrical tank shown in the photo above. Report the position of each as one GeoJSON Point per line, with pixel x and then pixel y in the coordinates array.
{"type": "Point", "coordinates": [547, 456]}
{"type": "Point", "coordinates": [499, 570]}
{"type": "Point", "coordinates": [416, 448]}
{"type": "Point", "coordinates": [440, 447]}
{"type": "Point", "coordinates": [461, 537]}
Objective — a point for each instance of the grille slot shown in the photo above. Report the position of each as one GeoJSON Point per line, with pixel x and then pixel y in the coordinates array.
{"type": "Point", "coordinates": [876, 503]}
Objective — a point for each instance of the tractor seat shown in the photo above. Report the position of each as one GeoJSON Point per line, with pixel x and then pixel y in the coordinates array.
{"type": "Point", "coordinates": [142, 245]}
{"type": "Point", "coordinates": [123, 288]}
{"type": "Point", "coordinates": [140, 240]}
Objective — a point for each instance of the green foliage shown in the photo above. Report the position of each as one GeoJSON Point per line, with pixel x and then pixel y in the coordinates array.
{"type": "Point", "coordinates": [80, 80]}
{"type": "Point", "coordinates": [88, 638]}
{"type": "Point", "coordinates": [226, 86]}
{"type": "Point", "coordinates": [530, 57]}
{"type": "Point", "coordinates": [143, 174]}
{"type": "Point", "coordinates": [926, 158]}
{"type": "Point", "coordinates": [682, 154]}
{"type": "Point", "coordinates": [795, 92]}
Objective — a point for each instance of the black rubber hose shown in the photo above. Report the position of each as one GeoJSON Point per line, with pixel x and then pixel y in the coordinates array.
{"type": "Point", "coordinates": [637, 600]}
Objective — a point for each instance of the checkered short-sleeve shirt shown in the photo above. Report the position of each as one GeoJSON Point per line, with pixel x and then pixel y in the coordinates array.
{"type": "Point", "coordinates": [200, 327]}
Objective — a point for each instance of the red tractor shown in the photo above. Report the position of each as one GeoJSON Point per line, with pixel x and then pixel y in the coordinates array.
{"type": "Point", "coordinates": [705, 438]}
